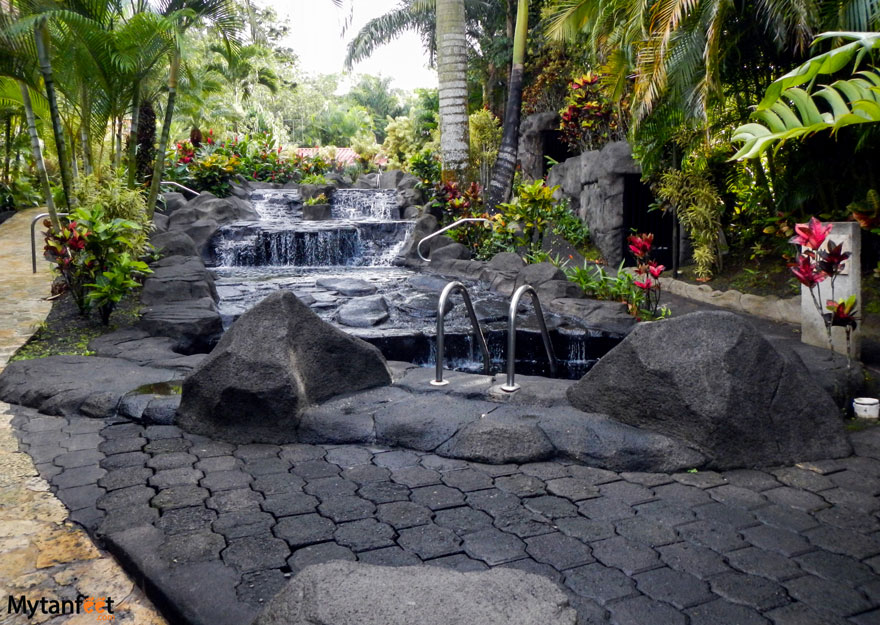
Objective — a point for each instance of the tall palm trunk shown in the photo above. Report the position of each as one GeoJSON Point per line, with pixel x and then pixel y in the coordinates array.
{"type": "Point", "coordinates": [505, 165]}
{"type": "Point", "coordinates": [159, 167]}
{"type": "Point", "coordinates": [41, 39]}
{"type": "Point", "coordinates": [38, 153]}
{"type": "Point", "coordinates": [117, 153]}
{"type": "Point", "coordinates": [452, 73]}
{"type": "Point", "coordinates": [7, 157]}
{"type": "Point", "coordinates": [86, 149]}
{"type": "Point", "coordinates": [133, 136]}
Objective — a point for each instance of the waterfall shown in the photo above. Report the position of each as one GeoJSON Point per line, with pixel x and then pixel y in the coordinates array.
{"type": "Point", "coordinates": [362, 232]}
{"type": "Point", "coordinates": [365, 204]}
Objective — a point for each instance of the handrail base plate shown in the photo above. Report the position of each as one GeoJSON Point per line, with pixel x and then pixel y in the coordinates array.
{"type": "Point", "coordinates": [439, 382]}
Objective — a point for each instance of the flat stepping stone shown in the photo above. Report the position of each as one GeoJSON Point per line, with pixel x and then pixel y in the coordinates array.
{"type": "Point", "coordinates": [350, 287]}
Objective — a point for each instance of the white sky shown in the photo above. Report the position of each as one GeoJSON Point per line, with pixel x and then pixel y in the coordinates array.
{"type": "Point", "coordinates": [316, 37]}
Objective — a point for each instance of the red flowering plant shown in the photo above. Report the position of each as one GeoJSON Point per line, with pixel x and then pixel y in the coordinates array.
{"type": "Point", "coordinates": [66, 248]}
{"type": "Point", "coordinates": [816, 263]}
{"type": "Point", "coordinates": [648, 273]}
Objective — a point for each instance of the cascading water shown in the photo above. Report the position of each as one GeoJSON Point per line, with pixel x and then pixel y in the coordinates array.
{"type": "Point", "coordinates": [358, 245]}
{"type": "Point", "coordinates": [363, 232]}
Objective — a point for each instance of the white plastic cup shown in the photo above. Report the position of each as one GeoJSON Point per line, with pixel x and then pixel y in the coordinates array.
{"type": "Point", "coordinates": [866, 407]}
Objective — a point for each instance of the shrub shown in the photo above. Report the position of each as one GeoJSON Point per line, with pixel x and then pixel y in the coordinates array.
{"type": "Point", "coordinates": [485, 140]}
{"type": "Point", "coordinates": [94, 253]}
{"type": "Point", "coordinates": [588, 119]}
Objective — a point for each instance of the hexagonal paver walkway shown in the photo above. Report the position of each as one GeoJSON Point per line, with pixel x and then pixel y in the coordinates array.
{"type": "Point", "coordinates": [44, 554]}
{"type": "Point", "coordinates": [789, 546]}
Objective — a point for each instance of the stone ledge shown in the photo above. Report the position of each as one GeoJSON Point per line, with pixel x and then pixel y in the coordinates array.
{"type": "Point", "coordinates": [770, 307]}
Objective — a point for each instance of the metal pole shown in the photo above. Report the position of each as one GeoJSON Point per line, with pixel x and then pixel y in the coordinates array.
{"type": "Point", "coordinates": [442, 230]}
{"type": "Point", "coordinates": [33, 237]}
{"type": "Point", "coordinates": [511, 385]}
{"type": "Point", "coordinates": [481, 339]}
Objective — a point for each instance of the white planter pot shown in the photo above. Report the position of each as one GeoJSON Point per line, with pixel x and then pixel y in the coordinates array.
{"type": "Point", "coordinates": [866, 407]}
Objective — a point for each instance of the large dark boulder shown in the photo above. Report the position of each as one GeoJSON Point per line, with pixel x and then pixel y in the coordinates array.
{"type": "Point", "coordinates": [354, 593]}
{"type": "Point", "coordinates": [275, 361]}
{"type": "Point", "coordinates": [711, 380]}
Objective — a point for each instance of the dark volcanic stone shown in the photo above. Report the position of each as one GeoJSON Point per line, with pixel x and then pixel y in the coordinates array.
{"type": "Point", "coordinates": [278, 358]}
{"type": "Point", "coordinates": [497, 442]}
{"type": "Point", "coordinates": [719, 385]}
{"type": "Point", "coordinates": [348, 593]}
{"type": "Point", "coordinates": [363, 312]}
{"type": "Point", "coordinates": [350, 287]}
{"type": "Point", "coordinates": [60, 385]}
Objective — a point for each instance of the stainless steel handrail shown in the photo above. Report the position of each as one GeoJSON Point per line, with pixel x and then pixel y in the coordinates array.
{"type": "Point", "coordinates": [442, 230]}
{"type": "Point", "coordinates": [441, 304]}
{"type": "Point", "coordinates": [177, 184]}
{"type": "Point", "coordinates": [511, 385]}
{"type": "Point", "coordinates": [33, 237]}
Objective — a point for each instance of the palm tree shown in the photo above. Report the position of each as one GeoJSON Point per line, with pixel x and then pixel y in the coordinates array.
{"type": "Point", "coordinates": [181, 16]}
{"type": "Point", "coordinates": [18, 64]}
{"type": "Point", "coordinates": [452, 73]}
{"type": "Point", "coordinates": [505, 165]}
{"type": "Point", "coordinates": [244, 68]}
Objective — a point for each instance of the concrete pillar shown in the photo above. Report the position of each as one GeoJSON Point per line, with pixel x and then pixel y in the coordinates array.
{"type": "Point", "coordinates": [849, 282]}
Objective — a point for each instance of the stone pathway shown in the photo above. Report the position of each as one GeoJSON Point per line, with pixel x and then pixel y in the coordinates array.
{"type": "Point", "coordinates": [44, 554]}
{"type": "Point", "coordinates": [788, 546]}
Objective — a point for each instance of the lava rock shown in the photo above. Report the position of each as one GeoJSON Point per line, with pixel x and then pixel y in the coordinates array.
{"type": "Point", "coordinates": [451, 251]}
{"type": "Point", "coordinates": [427, 283]}
{"type": "Point", "coordinates": [201, 231]}
{"type": "Point", "coordinates": [173, 202]}
{"type": "Point", "coordinates": [390, 179]}
{"type": "Point", "coordinates": [309, 191]}
{"type": "Point", "coordinates": [277, 359]}
{"type": "Point", "coordinates": [608, 316]}
{"type": "Point", "coordinates": [195, 325]}
{"type": "Point", "coordinates": [506, 261]}
{"type": "Point", "coordinates": [537, 274]}
{"type": "Point", "coordinates": [424, 305]}
{"type": "Point", "coordinates": [425, 225]}
{"type": "Point", "coordinates": [366, 181]}
{"type": "Point", "coordinates": [174, 243]}
{"type": "Point", "coordinates": [711, 380]}
{"type": "Point", "coordinates": [160, 222]}
{"type": "Point", "coordinates": [354, 593]}
{"type": "Point", "coordinates": [499, 441]}
{"type": "Point", "coordinates": [350, 287]}
{"type": "Point", "coordinates": [556, 289]}
{"type": "Point", "coordinates": [60, 385]}
{"type": "Point", "coordinates": [316, 212]}
{"type": "Point", "coordinates": [186, 279]}
{"type": "Point", "coordinates": [363, 312]}
{"type": "Point", "coordinates": [412, 212]}
{"type": "Point", "coordinates": [598, 441]}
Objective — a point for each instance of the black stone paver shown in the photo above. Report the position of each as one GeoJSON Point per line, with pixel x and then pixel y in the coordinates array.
{"type": "Point", "coordinates": [782, 546]}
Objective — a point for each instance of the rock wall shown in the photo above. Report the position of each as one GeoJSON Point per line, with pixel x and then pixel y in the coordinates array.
{"type": "Point", "coordinates": [593, 182]}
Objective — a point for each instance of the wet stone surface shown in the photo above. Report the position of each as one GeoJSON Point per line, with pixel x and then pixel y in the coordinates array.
{"type": "Point", "coordinates": [757, 546]}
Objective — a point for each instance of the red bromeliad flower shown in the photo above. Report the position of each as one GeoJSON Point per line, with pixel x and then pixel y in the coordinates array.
{"type": "Point", "coordinates": [640, 244]}
{"type": "Point", "coordinates": [806, 272]}
{"type": "Point", "coordinates": [811, 234]}
{"type": "Point", "coordinates": [645, 284]}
